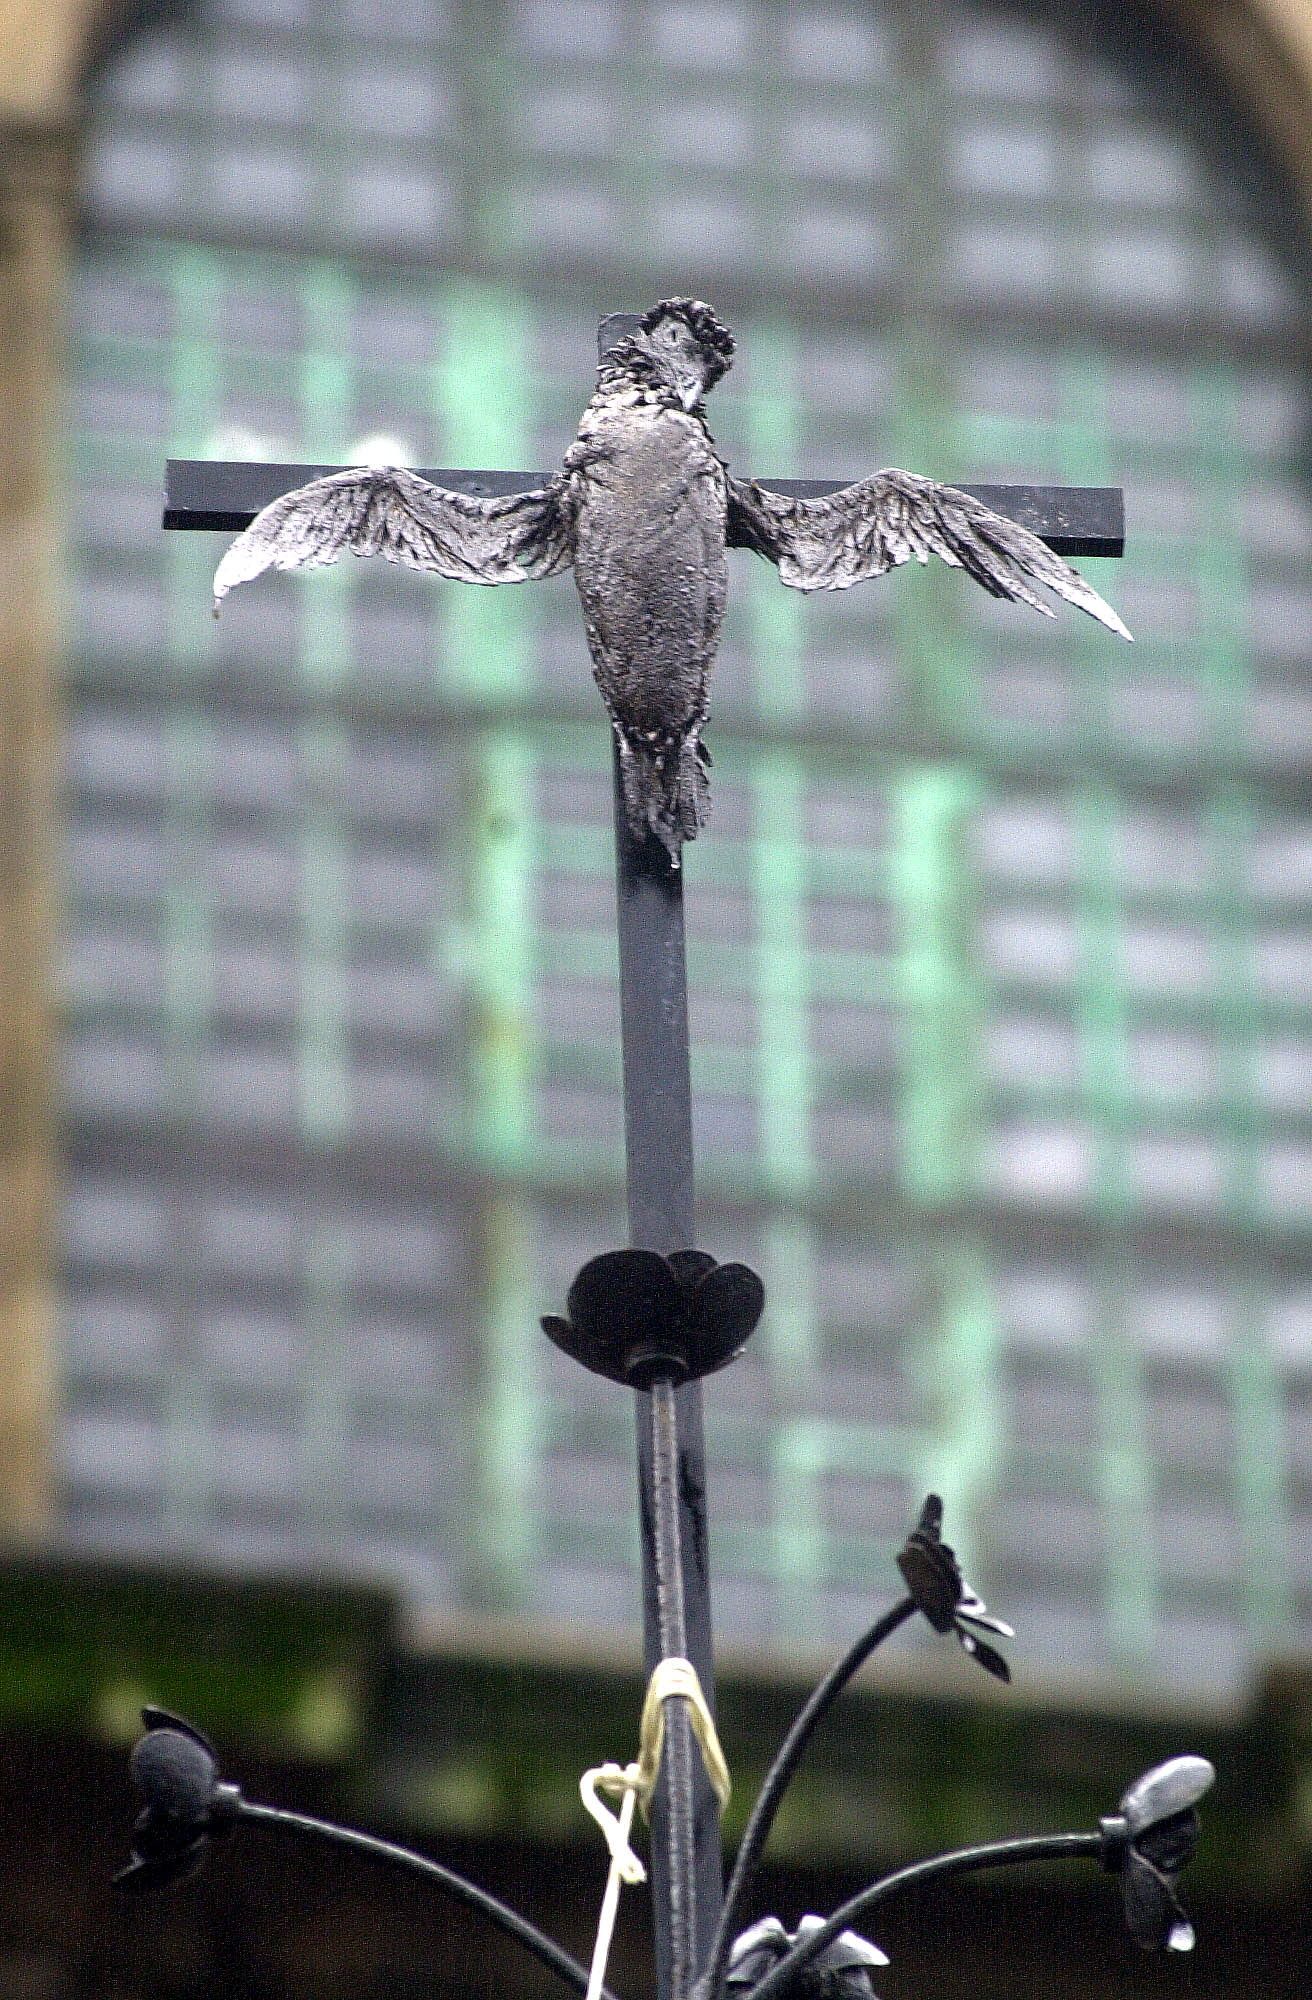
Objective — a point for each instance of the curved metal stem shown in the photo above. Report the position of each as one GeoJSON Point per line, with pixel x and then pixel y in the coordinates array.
{"type": "Point", "coordinates": [776, 1783]}
{"type": "Point", "coordinates": [962, 1861]}
{"type": "Point", "coordinates": [464, 1891]}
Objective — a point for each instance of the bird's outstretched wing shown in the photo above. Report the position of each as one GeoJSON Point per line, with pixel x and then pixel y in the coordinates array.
{"type": "Point", "coordinates": [875, 525]}
{"type": "Point", "coordinates": [391, 512]}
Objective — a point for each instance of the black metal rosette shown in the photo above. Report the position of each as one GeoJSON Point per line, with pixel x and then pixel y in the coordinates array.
{"type": "Point", "coordinates": [933, 1578]}
{"type": "Point", "coordinates": [638, 1318]}
{"type": "Point", "coordinates": [177, 1773]}
{"type": "Point", "coordinates": [1149, 1842]}
{"type": "Point", "coordinates": [840, 1972]}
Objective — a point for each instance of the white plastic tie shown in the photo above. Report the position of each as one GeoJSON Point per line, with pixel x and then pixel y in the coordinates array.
{"type": "Point", "coordinates": [633, 1785]}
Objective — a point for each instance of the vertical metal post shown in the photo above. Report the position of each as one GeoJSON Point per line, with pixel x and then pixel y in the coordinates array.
{"type": "Point", "coordinates": [687, 1878]}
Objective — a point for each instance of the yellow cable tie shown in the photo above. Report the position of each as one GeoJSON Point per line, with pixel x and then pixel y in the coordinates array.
{"type": "Point", "coordinates": [669, 1678]}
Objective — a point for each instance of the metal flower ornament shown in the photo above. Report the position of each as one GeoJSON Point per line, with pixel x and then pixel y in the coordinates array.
{"type": "Point", "coordinates": [634, 1317]}
{"type": "Point", "coordinates": [1149, 1841]}
{"type": "Point", "coordinates": [933, 1576]}
{"type": "Point", "coordinates": [184, 1803]}
{"type": "Point", "coordinates": [840, 1972]}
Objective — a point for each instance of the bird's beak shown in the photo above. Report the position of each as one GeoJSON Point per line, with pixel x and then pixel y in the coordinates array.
{"type": "Point", "coordinates": [691, 390]}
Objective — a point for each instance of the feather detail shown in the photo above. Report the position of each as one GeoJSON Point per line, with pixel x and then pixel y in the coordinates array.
{"type": "Point", "coordinates": [877, 524]}
{"type": "Point", "coordinates": [391, 512]}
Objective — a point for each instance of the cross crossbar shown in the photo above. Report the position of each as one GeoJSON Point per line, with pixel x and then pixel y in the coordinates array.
{"type": "Point", "coordinates": [226, 495]}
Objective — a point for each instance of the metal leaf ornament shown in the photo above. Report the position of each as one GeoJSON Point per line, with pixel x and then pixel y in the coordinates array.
{"type": "Point", "coordinates": [177, 1773]}
{"type": "Point", "coordinates": [933, 1578]}
{"type": "Point", "coordinates": [840, 1972]}
{"type": "Point", "coordinates": [1150, 1841]}
{"type": "Point", "coordinates": [635, 1317]}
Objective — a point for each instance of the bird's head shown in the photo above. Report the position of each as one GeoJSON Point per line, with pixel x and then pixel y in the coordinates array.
{"type": "Point", "coordinates": [684, 346]}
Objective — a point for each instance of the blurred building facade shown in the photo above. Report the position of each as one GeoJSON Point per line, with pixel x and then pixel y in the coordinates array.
{"type": "Point", "coordinates": [1001, 941]}
{"type": "Point", "coordinates": [1001, 937]}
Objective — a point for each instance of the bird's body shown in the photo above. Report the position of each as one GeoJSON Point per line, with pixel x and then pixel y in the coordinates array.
{"type": "Point", "coordinates": [649, 498]}
{"type": "Point", "coordinates": [644, 510]}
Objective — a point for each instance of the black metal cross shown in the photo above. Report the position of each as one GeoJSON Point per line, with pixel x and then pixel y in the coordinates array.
{"type": "Point", "coordinates": [687, 1887]}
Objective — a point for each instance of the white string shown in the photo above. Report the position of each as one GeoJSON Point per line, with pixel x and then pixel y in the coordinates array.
{"type": "Point", "coordinates": [624, 1867]}
{"type": "Point", "coordinates": [625, 1782]}
{"type": "Point", "coordinates": [633, 1784]}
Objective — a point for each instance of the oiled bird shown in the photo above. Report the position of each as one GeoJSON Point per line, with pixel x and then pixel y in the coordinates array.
{"type": "Point", "coordinates": [644, 509]}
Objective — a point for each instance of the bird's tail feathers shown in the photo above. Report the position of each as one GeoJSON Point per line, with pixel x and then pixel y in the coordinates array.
{"type": "Point", "coordinates": [665, 787]}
